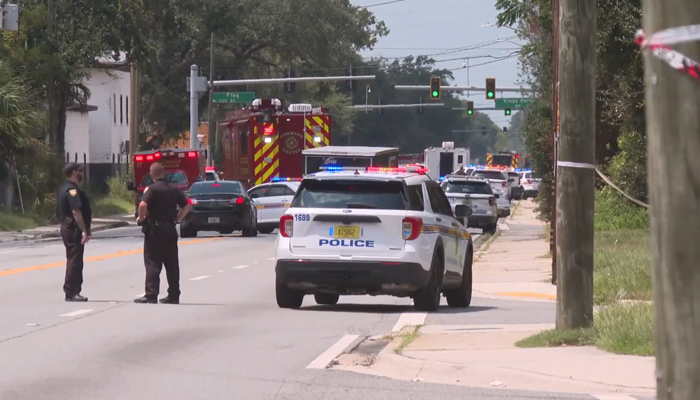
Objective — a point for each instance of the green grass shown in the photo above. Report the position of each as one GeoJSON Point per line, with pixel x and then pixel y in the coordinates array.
{"type": "Point", "coordinates": [108, 206]}
{"type": "Point", "coordinates": [620, 328]}
{"type": "Point", "coordinates": [407, 338]}
{"type": "Point", "coordinates": [622, 266]}
{"type": "Point", "coordinates": [13, 222]}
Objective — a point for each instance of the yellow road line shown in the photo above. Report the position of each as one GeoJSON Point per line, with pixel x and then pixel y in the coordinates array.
{"type": "Point", "coordinates": [529, 294]}
{"type": "Point", "coordinates": [94, 258]}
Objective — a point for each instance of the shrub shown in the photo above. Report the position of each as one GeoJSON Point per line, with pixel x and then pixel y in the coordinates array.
{"type": "Point", "coordinates": [614, 212]}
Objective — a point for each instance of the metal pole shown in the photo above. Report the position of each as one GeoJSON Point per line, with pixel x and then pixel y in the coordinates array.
{"type": "Point", "coordinates": [132, 111]}
{"type": "Point", "coordinates": [194, 109]}
{"type": "Point", "coordinates": [463, 88]}
{"type": "Point", "coordinates": [242, 82]}
{"type": "Point", "coordinates": [385, 106]}
{"type": "Point", "coordinates": [211, 132]}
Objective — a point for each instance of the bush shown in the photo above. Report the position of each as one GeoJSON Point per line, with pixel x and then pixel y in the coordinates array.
{"type": "Point", "coordinates": [615, 212]}
{"type": "Point", "coordinates": [117, 189]}
{"type": "Point", "coordinates": [628, 168]}
{"type": "Point", "coordinates": [622, 266]}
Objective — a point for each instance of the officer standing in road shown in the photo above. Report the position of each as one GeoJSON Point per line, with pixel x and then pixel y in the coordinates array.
{"type": "Point", "coordinates": [461, 171]}
{"type": "Point", "coordinates": [158, 214]}
{"type": "Point", "coordinates": [75, 215]}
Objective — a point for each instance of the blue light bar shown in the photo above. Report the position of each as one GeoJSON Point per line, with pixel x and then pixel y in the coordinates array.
{"type": "Point", "coordinates": [442, 178]}
{"type": "Point", "coordinates": [285, 180]}
{"type": "Point", "coordinates": [337, 168]}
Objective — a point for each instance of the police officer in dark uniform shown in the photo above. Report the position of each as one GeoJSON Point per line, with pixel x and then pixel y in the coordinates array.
{"type": "Point", "coordinates": [75, 215]}
{"type": "Point", "coordinates": [158, 214]}
{"type": "Point", "coordinates": [461, 171]}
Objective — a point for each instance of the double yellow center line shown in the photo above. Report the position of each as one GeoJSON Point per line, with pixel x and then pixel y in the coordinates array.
{"type": "Point", "coordinates": [95, 258]}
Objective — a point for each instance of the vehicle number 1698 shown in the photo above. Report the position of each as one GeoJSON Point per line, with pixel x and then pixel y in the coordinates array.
{"type": "Point", "coordinates": [302, 217]}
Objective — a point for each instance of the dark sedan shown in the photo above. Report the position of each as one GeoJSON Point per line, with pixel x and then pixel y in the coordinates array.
{"type": "Point", "coordinates": [220, 206]}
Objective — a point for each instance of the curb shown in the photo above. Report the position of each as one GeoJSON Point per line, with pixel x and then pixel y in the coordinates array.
{"type": "Point", "coordinates": [56, 234]}
{"type": "Point", "coordinates": [479, 242]}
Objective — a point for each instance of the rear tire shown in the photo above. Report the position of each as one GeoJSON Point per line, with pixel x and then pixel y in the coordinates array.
{"type": "Point", "coordinates": [326, 299]}
{"type": "Point", "coordinates": [265, 231]}
{"type": "Point", "coordinates": [288, 298]}
{"type": "Point", "coordinates": [428, 298]}
{"type": "Point", "coordinates": [491, 229]}
{"type": "Point", "coordinates": [252, 229]}
{"type": "Point", "coordinates": [462, 296]}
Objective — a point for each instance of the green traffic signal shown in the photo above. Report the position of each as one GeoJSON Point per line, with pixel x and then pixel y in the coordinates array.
{"type": "Point", "coordinates": [490, 94]}
{"type": "Point", "coordinates": [470, 112]}
{"type": "Point", "coordinates": [435, 94]}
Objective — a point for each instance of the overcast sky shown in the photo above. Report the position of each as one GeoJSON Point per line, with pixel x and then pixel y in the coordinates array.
{"type": "Point", "coordinates": [461, 34]}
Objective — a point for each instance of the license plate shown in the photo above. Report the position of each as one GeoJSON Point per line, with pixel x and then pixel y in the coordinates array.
{"type": "Point", "coordinates": [213, 220]}
{"type": "Point", "coordinates": [346, 232]}
{"type": "Point", "coordinates": [479, 212]}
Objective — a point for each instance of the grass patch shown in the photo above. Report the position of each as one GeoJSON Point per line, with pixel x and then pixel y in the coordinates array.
{"type": "Point", "coordinates": [547, 233]}
{"type": "Point", "coordinates": [407, 338]}
{"type": "Point", "coordinates": [13, 222]}
{"type": "Point", "coordinates": [108, 206]}
{"type": "Point", "coordinates": [514, 210]}
{"type": "Point", "coordinates": [622, 266]}
{"type": "Point", "coordinates": [620, 328]}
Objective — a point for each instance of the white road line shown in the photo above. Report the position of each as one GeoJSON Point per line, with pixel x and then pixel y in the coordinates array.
{"type": "Point", "coordinates": [75, 313]}
{"type": "Point", "coordinates": [329, 355]}
{"type": "Point", "coordinates": [409, 319]}
{"type": "Point", "coordinates": [613, 396]}
{"type": "Point", "coordinates": [199, 278]}
{"type": "Point", "coordinates": [5, 252]}
{"type": "Point", "coordinates": [256, 262]}
{"type": "Point", "coordinates": [241, 266]}
{"type": "Point", "coordinates": [270, 259]}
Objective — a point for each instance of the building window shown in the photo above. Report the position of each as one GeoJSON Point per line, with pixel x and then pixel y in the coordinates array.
{"type": "Point", "coordinates": [127, 110]}
{"type": "Point", "coordinates": [121, 110]}
{"type": "Point", "coordinates": [114, 102]}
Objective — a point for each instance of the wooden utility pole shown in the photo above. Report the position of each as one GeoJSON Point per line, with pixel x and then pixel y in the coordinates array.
{"type": "Point", "coordinates": [211, 131]}
{"type": "Point", "coordinates": [133, 111]}
{"type": "Point", "coordinates": [555, 133]}
{"type": "Point", "coordinates": [51, 85]}
{"type": "Point", "coordinates": [673, 138]}
{"type": "Point", "coordinates": [575, 165]}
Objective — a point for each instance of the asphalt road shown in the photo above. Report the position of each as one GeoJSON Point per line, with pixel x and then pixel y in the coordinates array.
{"type": "Point", "coordinates": [228, 339]}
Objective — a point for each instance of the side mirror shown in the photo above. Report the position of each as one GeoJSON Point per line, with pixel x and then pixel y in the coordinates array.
{"type": "Point", "coordinates": [130, 186]}
{"type": "Point", "coordinates": [463, 211]}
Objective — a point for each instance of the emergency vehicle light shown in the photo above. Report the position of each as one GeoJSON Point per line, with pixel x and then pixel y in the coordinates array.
{"type": "Point", "coordinates": [209, 169]}
{"type": "Point", "coordinates": [268, 140]}
{"type": "Point", "coordinates": [192, 154]}
{"type": "Point", "coordinates": [286, 179]}
{"type": "Point", "coordinates": [317, 139]}
{"type": "Point", "coordinates": [157, 155]}
{"type": "Point", "coordinates": [269, 130]}
{"type": "Point", "coordinates": [418, 170]}
{"type": "Point", "coordinates": [138, 158]}
{"type": "Point", "coordinates": [149, 158]}
{"type": "Point", "coordinates": [336, 168]}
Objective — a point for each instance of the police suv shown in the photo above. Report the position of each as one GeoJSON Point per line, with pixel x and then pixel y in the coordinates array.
{"type": "Point", "coordinates": [375, 231]}
{"type": "Point", "coordinates": [272, 200]}
{"type": "Point", "coordinates": [475, 193]}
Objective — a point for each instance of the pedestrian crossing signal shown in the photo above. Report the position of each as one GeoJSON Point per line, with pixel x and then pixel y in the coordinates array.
{"type": "Point", "coordinates": [435, 84]}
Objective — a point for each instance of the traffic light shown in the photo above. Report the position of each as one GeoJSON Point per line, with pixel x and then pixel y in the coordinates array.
{"type": "Point", "coordinates": [290, 87]}
{"type": "Point", "coordinates": [435, 84]}
{"type": "Point", "coordinates": [470, 108]}
{"type": "Point", "coordinates": [507, 111]}
{"type": "Point", "coordinates": [505, 130]}
{"type": "Point", "coordinates": [490, 89]}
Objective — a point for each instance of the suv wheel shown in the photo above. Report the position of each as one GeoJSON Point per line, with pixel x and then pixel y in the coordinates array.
{"type": "Point", "coordinates": [462, 296]}
{"type": "Point", "coordinates": [288, 298]}
{"type": "Point", "coordinates": [428, 298]}
{"type": "Point", "coordinates": [265, 231]}
{"type": "Point", "coordinates": [326, 299]}
{"type": "Point", "coordinates": [491, 228]}
{"type": "Point", "coordinates": [252, 229]}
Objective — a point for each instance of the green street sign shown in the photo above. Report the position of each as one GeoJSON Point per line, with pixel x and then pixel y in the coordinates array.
{"type": "Point", "coordinates": [513, 102]}
{"type": "Point", "coordinates": [233, 97]}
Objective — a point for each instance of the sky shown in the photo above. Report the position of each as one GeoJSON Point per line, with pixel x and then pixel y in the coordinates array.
{"type": "Point", "coordinates": [463, 35]}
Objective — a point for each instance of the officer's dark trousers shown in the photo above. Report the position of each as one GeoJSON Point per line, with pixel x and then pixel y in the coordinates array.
{"type": "Point", "coordinates": [160, 249]}
{"type": "Point", "coordinates": [72, 236]}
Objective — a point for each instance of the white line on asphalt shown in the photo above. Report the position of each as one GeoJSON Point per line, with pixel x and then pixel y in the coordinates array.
{"type": "Point", "coordinates": [5, 252]}
{"type": "Point", "coordinates": [612, 396]}
{"type": "Point", "coordinates": [270, 259]}
{"type": "Point", "coordinates": [409, 319]}
{"type": "Point", "coordinates": [199, 278]}
{"type": "Point", "coordinates": [75, 313]}
{"type": "Point", "coordinates": [256, 262]}
{"type": "Point", "coordinates": [329, 355]}
{"type": "Point", "coordinates": [241, 266]}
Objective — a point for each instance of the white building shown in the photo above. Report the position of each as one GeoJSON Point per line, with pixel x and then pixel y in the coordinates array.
{"type": "Point", "coordinates": [99, 136]}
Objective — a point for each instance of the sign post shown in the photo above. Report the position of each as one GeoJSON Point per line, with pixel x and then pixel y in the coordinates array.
{"type": "Point", "coordinates": [233, 97]}
{"type": "Point", "coordinates": [513, 102]}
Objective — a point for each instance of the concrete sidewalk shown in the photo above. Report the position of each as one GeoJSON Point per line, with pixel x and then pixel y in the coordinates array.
{"type": "Point", "coordinates": [512, 266]}
{"type": "Point", "coordinates": [53, 231]}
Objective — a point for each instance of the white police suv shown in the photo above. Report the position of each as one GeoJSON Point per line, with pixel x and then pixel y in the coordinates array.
{"type": "Point", "coordinates": [475, 193]}
{"type": "Point", "coordinates": [272, 200]}
{"type": "Point", "coordinates": [376, 231]}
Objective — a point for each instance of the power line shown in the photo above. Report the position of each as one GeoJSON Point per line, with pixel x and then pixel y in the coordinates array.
{"type": "Point", "coordinates": [383, 4]}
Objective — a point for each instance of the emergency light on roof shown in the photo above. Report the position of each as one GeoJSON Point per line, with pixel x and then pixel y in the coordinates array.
{"type": "Point", "coordinates": [418, 170]}
{"type": "Point", "coordinates": [268, 129]}
{"type": "Point", "coordinates": [286, 179]}
{"type": "Point", "coordinates": [209, 169]}
{"type": "Point", "coordinates": [138, 158]}
{"type": "Point", "coordinates": [192, 154]}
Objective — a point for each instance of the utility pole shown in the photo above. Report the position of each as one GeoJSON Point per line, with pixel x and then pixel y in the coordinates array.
{"type": "Point", "coordinates": [211, 125]}
{"type": "Point", "coordinates": [576, 163]}
{"type": "Point", "coordinates": [673, 137]}
{"type": "Point", "coordinates": [51, 88]}
{"type": "Point", "coordinates": [133, 112]}
{"type": "Point", "coordinates": [194, 107]}
{"type": "Point", "coordinates": [555, 134]}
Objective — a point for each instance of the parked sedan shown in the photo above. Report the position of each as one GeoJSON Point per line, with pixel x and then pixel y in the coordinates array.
{"type": "Point", "coordinates": [220, 206]}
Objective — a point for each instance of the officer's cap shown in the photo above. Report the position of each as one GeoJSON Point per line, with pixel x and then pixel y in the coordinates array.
{"type": "Point", "coordinates": [71, 167]}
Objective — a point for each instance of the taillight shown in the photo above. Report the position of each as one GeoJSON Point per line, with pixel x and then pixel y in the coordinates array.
{"type": "Point", "coordinates": [492, 201]}
{"type": "Point", "coordinates": [504, 184]}
{"type": "Point", "coordinates": [287, 225]}
{"type": "Point", "coordinates": [412, 228]}
{"type": "Point", "coordinates": [192, 202]}
{"type": "Point", "coordinates": [238, 200]}
{"type": "Point", "coordinates": [138, 158]}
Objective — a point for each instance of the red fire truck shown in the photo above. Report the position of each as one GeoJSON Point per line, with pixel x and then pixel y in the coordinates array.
{"type": "Point", "coordinates": [265, 141]}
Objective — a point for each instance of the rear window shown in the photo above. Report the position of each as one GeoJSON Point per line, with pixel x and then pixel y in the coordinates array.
{"type": "Point", "coordinates": [175, 177]}
{"type": "Point", "coordinates": [513, 174]}
{"type": "Point", "coordinates": [211, 176]}
{"type": "Point", "coordinates": [465, 187]}
{"type": "Point", "coordinates": [218, 187]}
{"type": "Point", "coordinates": [502, 160]}
{"type": "Point", "coordinates": [491, 175]}
{"type": "Point", "coordinates": [350, 194]}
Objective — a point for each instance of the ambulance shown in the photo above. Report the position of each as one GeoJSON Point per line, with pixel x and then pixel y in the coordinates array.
{"type": "Point", "coordinates": [443, 161]}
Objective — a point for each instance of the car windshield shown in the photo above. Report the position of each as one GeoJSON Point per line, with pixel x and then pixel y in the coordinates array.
{"type": "Point", "coordinates": [502, 160]}
{"type": "Point", "coordinates": [218, 187]}
{"type": "Point", "coordinates": [466, 187]}
{"type": "Point", "coordinates": [491, 175]}
{"type": "Point", "coordinates": [350, 194]}
{"type": "Point", "coordinates": [211, 176]}
{"type": "Point", "coordinates": [175, 177]}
